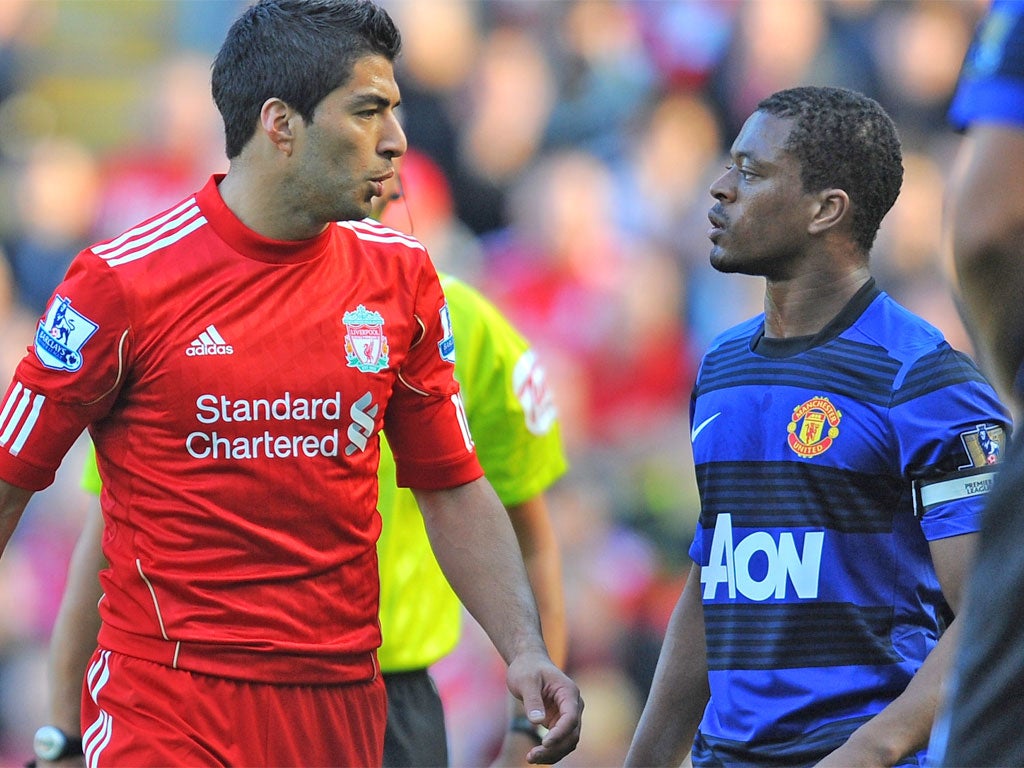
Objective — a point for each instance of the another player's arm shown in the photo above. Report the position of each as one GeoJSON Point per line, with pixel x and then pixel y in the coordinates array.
{"type": "Point", "coordinates": [986, 234]}
{"type": "Point", "coordinates": [13, 501]}
{"type": "Point", "coordinates": [73, 639]}
{"type": "Point", "coordinates": [904, 725]}
{"type": "Point", "coordinates": [679, 690]}
{"type": "Point", "coordinates": [539, 545]}
{"type": "Point", "coordinates": [476, 546]}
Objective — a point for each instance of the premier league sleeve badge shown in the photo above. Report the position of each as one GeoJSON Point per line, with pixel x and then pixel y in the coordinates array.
{"type": "Point", "coordinates": [61, 335]}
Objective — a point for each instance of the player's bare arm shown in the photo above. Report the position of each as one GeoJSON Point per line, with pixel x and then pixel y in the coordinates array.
{"type": "Point", "coordinates": [76, 626]}
{"type": "Point", "coordinates": [986, 245]}
{"type": "Point", "coordinates": [13, 501]}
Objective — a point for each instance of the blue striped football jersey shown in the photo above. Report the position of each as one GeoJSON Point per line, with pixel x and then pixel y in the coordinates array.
{"type": "Point", "coordinates": [825, 465]}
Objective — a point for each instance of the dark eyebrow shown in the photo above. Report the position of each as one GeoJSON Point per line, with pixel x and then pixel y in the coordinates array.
{"type": "Point", "coordinates": [363, 100]}
{"type": "Point", "coordinates": [753, 158]}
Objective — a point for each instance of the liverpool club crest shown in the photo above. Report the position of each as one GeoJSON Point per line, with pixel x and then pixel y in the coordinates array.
{"type": "Point", "coordinates": [366, 346]}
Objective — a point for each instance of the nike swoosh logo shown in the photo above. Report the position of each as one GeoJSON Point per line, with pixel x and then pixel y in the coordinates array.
{"type": "Point", "coordinates": [700, 427]}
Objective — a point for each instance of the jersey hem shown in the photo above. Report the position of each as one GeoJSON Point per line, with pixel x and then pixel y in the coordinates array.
{"type": "Point", "coordinates": [242, 663]}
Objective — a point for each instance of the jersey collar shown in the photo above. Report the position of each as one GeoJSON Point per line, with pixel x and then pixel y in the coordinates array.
{"type": "Point", "coordinates": [847, 316]}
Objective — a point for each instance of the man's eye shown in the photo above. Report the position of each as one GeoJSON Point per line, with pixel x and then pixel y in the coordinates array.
{"type": "Point", "coordinates": [746, 173]}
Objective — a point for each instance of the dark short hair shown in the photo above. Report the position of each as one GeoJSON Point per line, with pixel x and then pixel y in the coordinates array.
{"type": "Point", "coordinates": [846, 140]}
{"type": "Point", "coordinates": [296, 50]}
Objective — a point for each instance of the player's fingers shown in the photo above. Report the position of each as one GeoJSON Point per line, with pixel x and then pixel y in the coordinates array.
{"type": "Point", "coordinates": [557, 743]}
{"type": "Point", "coordinates": [564, 733]}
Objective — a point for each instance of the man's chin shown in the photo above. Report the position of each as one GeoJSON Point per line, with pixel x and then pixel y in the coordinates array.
{"type": "Point", "coordinates": [355, 213]}
{"type": "Point", "coordinates": [720, 261]}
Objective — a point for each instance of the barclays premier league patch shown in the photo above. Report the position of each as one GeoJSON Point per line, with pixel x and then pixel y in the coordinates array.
{"type": "Point", "coordinates": [984, 445]}
{"type": "Point", "coordinates": [446, 346]}
{"type": "Point", "coordinates": [61, 336]}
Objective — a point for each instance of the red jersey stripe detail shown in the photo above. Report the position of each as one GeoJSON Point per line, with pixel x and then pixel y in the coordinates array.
{"type": "Point", "coordinates": [21, 409]}
{"type": "Point", "coordinates": [145, 240]}
{"type": "Point", "coordinates": [97, 735]}
{"type": "Point", "coordinates": [144, 227]}
{"type": "Point", "coordinates": [371, 231]}
{"type": "Point", "coordinates": [152, 594]}
{"type": "Point", "coordinates": [460, 412]}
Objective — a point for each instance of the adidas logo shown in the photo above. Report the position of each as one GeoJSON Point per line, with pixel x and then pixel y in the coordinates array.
{"type": "Point", "coordinates": [210, 342]}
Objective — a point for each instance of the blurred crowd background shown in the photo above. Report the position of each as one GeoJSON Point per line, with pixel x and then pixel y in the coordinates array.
{"type": "Point", "coordinates": [562, 153]}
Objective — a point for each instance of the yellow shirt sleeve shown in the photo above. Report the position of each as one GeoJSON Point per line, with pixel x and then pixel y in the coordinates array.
{"type": "Point", "coordinates": [514, 424]}
{"type": "Point", "coordinates": [91, 473]}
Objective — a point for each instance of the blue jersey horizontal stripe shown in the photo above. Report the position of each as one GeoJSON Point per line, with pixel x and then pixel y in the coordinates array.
{"type": "Point", "coordinates": [797, 635]}
{"type": "Point", "coordinates": [793, 492]}
{"type": "Point", "coordinates": [842, 367]}
{"type": "Point", "coordinates": [940, 369]}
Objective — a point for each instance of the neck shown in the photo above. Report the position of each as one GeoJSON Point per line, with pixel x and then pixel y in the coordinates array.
{"type": "Point", "coordinates": [804, 306]}
{"type": "Point", "coordinates": [250, 196]}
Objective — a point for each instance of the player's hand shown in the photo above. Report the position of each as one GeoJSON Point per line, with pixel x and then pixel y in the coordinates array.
{"type": "Point", "coordinates": [551, 699]}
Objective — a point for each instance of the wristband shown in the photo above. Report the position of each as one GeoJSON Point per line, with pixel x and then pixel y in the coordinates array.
{"type": "Point", "coordinates": [522, 724]}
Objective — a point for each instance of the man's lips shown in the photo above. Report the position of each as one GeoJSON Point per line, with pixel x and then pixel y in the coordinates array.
{"type": "Point", "coordinates": [379, 181]}
{"type": "Point", "coordinates": [717, 225]}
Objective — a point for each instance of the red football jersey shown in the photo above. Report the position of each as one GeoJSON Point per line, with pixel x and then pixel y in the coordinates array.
{"type": "Point", "coordinates": [234, 387]}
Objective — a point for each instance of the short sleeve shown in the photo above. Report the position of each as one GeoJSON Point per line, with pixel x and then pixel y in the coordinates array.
{"type": "Point", "coordinates": [425, 421]}
{"type": "Point", "coordinates": [952, 431]}
{"type": "Point", "coordinates": [69, 377]}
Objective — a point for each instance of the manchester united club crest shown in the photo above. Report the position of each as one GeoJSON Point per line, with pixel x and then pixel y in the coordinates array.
{"type": "Point", "coordinates": [61, 335]}
{"type": "Point", "coordinates": [814, 427]}
{"type": "Point", "coordinates": [366, 346]}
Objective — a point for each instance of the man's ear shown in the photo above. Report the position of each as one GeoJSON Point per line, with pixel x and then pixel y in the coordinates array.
{"type": "Point", "coordinates": [277, 121]}
{"type": "Point", "coordinates": [832, 207]}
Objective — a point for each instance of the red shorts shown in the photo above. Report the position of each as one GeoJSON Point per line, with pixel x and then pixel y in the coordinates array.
{"type": "Point", "coordinates": [138, 713]}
